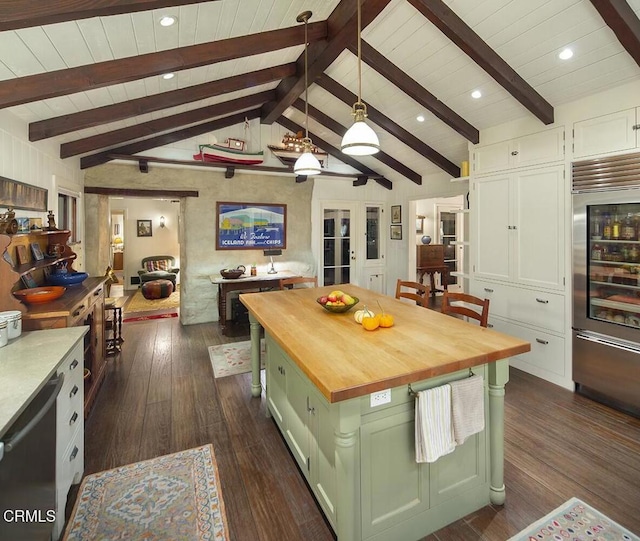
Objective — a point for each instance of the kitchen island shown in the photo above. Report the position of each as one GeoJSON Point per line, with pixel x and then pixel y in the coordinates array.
{"type": "Point", "coordinates": [355, 449]}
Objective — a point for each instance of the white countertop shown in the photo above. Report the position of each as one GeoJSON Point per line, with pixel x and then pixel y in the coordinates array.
{"type": "Point", "coordinates": [27, 363]}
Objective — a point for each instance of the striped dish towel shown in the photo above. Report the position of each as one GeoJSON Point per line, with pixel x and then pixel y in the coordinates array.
{"type": "Point", "coordinates": [433, 426]}
{"type": "Point", "coordinates": [467, 402]}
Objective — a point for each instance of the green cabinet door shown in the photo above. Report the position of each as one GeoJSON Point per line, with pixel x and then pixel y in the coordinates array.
{"type": "Point", "coordinates": [276, 388]}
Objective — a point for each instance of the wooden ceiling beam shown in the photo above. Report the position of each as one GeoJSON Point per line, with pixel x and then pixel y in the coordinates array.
{"type": "Point", "coordinates": [109, 139]}
{"type": "Point", "coordinates": [619, 16]}
{"type": "Point", "coordinates": [349, 98]}
{"type": "Point", "coordinates": [27, 13]}
{"type": "Point", "coordinates": [417, 92]}
{"type": "Point", "coordinates": [168, 138]}
{"type": "Point", "coordinates": [342, 26]}
{"type": "Point", "coordinates": [474, 46]}
{"type": "Point", "coordinates": [80, 79]}
{"type": "Point", "coordinates": [338, 128]}
{"type": "Point", "coordinates": [330, 149]}
{"type": "Point", "coordinates": [140, 106]}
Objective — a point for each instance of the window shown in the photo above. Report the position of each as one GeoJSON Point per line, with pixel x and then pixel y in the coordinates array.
{"type": "Point", "coordinates": [68, 214]}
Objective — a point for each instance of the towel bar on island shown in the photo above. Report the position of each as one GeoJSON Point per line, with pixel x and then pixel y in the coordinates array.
{"type": "Point", "coordinates": [415, 393]}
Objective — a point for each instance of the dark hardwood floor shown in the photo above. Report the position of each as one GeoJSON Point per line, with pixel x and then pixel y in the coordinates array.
{"type": "Point", "coordinates": [160, 397]}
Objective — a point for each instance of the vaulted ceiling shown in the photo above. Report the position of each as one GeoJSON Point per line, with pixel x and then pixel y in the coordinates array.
{"type": "Point", "coordinates": [88, 75]}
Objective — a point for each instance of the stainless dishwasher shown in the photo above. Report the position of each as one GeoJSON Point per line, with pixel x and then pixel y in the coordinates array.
{"type": "Point", "coordinates": [28, 469]}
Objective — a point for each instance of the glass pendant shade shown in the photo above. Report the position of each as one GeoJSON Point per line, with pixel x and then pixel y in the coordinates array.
{"type": "Point", "coordinates": [360, 139]}
{"type": "Point", "coordinates": [307, 164]}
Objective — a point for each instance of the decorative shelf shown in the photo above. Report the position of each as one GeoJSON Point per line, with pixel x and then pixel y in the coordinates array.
{"type": "Point", "coordinates": [46, 262]}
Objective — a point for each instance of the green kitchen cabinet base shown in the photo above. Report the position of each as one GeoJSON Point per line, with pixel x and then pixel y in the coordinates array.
{"type": "Point", "coordinates": [360, 463]}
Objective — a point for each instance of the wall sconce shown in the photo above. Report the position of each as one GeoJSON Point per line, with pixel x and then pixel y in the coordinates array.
{"type": "Point", "coordinates": [161, 221]}
{"type": "Point", "coordinates": [420, 223]}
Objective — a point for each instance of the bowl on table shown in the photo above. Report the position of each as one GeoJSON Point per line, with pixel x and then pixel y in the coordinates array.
{"type": "Point", "coordinates": [337, 308]}
{"type": "Point", "coordinates": [67, 279]}
{"type": "Point", "coordinates": [40, 295]}
{"type": "Point", "coordinates": [233, 273]}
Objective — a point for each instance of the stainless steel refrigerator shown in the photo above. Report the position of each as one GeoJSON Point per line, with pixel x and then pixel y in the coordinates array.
{"type": "Point", "coordinates": [606, 287]}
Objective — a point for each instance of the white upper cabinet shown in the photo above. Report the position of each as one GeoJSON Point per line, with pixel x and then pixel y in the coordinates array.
{"type": "Point", "coordinates": [615, 132]}
{"type": "Point", "coordinates": [519, 227]}
{"type": "Point", "coordinates": [537, 148]}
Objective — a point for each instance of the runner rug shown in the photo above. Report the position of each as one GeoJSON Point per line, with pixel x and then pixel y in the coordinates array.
{"type": "Point", "coordinates": [575, 521]}
{"type": "Point", "coordinates": [151, 316]}
{"type": "Point", "coordinates": [234, 358]}
{"type": "Point", "coordinates": [168, 498]}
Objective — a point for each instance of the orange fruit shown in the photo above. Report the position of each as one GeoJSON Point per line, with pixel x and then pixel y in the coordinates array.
{"type": "Point", "coordinates": [386, 321]}
{"type": "Point", "coordinates": [371, 323]}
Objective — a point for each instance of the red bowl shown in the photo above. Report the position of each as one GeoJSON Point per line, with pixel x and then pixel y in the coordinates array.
{"type": "Point", "coordinates": [40, 295]}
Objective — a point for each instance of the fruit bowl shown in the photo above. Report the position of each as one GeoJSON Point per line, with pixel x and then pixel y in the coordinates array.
{"type": "Point", "coordinates": [233, 273]}
{"type": "Point", "coordinates": [40, 295]}
{"type": "Point", "coordinates": [67, 279]}
{"type": "Point", "coordinates": [337, 309]}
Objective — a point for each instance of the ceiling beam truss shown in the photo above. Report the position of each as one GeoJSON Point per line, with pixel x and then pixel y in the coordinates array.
{"type": "Point", "coordinates": [619, 16]}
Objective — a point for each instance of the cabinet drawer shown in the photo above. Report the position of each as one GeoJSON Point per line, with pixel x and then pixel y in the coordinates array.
{"type": "Point", "coordinates": [71, 367]}
{"type": "Point", "coordinates": [68, 422]}
{"type": "Point", "coordinates": [547, 351]}
{"type": "Point", "coordinates": [526, 306]}
{"type": "Point", "coordinates": [69, 470]}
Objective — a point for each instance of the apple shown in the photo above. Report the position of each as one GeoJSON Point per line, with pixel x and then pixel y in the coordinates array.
{"type": "Point", "coordinates": [324, 299]}
{"type": "Point", "coordinates": [331, 297]}
{"type": "Point", "coordinates": [347, 299]}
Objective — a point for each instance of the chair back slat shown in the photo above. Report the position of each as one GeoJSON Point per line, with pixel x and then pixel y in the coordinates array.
{"type": "Point", "coordinates": [414, 291]}
{"type": "Point", "coordinates": [482, 314]}
{"type": "Point", "coordinates": [289, 283]}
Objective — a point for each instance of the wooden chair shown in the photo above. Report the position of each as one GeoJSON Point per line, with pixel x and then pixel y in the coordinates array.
{"type": "Point", "coordinates": [413, 290]}
{"type": "Point", "coordinates": [290, 283]}
{"type": "Point", "coordinates": [482, 315]}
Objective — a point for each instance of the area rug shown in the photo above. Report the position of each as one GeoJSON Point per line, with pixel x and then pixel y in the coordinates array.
{"type": "Point", "coordinates": [235, 358]}
{"type": "Point", "coordinates": [145, 318]}
{"type": "Point", "coordinates": [575, 521]}
{"type": "Point", "coordinates": [172, 497]}
{"type": "Point", "coordinates": [139, 304]}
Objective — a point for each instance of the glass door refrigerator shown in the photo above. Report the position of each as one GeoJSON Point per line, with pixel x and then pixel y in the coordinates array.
{"type": "Point", "coordinates": [606, 297]}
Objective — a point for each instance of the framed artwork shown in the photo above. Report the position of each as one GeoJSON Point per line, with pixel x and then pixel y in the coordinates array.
{"type": "Point", "coordinates": [35, 224]}
{"type": "Point", "coordinates": [22, 254]}
{"type": "Point", "coordinates": [251, 226]}
{"type": "Point", "coordinates": [144, 228]}
{"type": "Point", "coordinates": [36, 251]}
{"type": "Point", "coordinates": [19, 195]}
{"type": "Point", "coordinates": [420, 223]}
{"type": "Point", "coordinates": [396, 232]}
{"type": "Point", "coordinates": [23, 225]}
{"type": "Point", "coordinates": [396, 214]}
{"type": "Point", "coordinates": [29, 280]}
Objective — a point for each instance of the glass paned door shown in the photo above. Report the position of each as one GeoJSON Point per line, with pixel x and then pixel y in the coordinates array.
{"type": "Point", "coordinates": [337, 245]}
{"type": "Point", "coordinates": [373, 232]}
{"type": "Point", "coordinates": [448, 237]}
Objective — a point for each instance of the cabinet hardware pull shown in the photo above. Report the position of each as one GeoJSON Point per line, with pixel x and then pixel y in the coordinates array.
{"type": "Point", "coordinates": [74, 418]}
{"type": "Point", "coordinates": [541, 341]}
{"type": "Point", "coordinates": [73, 364]}
{"type": "Point", "coordinates": [514, 153]}
{"type": "Point", "coordinates": [80, 309]}
{"type": "Point", "coordinates": [97, 292]}
{"type": "Point", "coordinates": [74, 453]}
{"type": "Point", "coordinates": [73, 391]}
{"type": "Point", "coordinates": [542, 301]}
{"type": "Point", "coordinates": [488, 290]}
{"type": "Point", "coordinates": [636, 127]}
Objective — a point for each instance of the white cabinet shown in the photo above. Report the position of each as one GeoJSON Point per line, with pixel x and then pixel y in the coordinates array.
{"type": "Point", "coordinates": [519, 227]}
{"type": "Point", "coordinates": [534, 149]}
{"type": "Point", "coordinates": [69, 431]}
{"type": "Point", "coordinates": [614, 132]}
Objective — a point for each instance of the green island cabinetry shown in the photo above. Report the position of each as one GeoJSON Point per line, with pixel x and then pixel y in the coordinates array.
{"type": "Point", "coordinates": [359, 460]}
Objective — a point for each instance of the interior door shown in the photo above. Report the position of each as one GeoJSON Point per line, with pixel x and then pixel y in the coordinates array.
{"type": "Point", "coordinates": [338, 244]}
{"type": "Point", "coordinates": [449, 234]}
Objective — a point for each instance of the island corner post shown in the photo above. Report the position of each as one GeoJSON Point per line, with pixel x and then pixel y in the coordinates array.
{"type": "Point", "coordinates": [344, 427]}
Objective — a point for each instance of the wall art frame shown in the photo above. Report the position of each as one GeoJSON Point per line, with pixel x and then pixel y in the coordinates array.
{"type": "Point", "coordinates": [396, 232]}
{"type": "Point", "coordinates": [19, 195]}
{"type": "Point", "coordinates": [144, 228]}
{"type": "Point", "coordinates": [396, 214]}
{"type": "Point", "coordinates": [251, 226]}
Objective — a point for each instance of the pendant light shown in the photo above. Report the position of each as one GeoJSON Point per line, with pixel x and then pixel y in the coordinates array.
{"type": "Point", "coordinates": [360, 139]}
{"type": "Point", "coordinates": [307, 164]}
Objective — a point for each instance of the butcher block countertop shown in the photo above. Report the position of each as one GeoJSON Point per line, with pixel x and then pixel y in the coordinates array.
{"type": "Point", "coordinates": [345, 361]}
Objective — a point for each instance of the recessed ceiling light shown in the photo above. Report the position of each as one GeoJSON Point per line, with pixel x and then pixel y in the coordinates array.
{"type": "Point", "coordinates": [565, 54]}
{"type": "Point", "coordinates": [167, 20]}
{"type": "Point", "coordinates": [420, 118]}
{"type": "Point", "coordinates": [476, 94]}
{"type": "Point", "coordinates": [168, 76]}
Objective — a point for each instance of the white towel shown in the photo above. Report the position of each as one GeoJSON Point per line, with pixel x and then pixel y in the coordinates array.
{"type": "Point", "coordinates": [433, 426]}
{"type": "Point", "coordinates": [467, 402]}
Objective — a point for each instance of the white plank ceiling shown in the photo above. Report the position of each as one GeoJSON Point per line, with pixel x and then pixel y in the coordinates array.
{"type": "Point", "coordinates": [527, 34]}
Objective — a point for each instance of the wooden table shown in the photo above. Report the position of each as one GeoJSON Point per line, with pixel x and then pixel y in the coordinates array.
{"type": "Point", "coordinates": [115, 305]}
{"type": "Point", "coordinates": [260, 281]}
{"type": "Point", "coordinates": [357, 455]}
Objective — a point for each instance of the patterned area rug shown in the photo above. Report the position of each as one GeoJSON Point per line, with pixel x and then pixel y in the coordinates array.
{"type": "Point", "coordinates": [235, 358]}
{"type": "Point", "coordinates": [575, 521]}
{"type": "Point", "coordinates": [145, 318]}
{"type": "Point", "coordinates": [139, 304]}
{"type": "Point", "coordinates": [173, 497]}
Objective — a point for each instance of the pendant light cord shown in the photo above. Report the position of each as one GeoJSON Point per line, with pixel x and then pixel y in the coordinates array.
{"type": "Point", "coordinates": [306, 83]}
{"type": "Point", "coordinates": [359, 54]}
